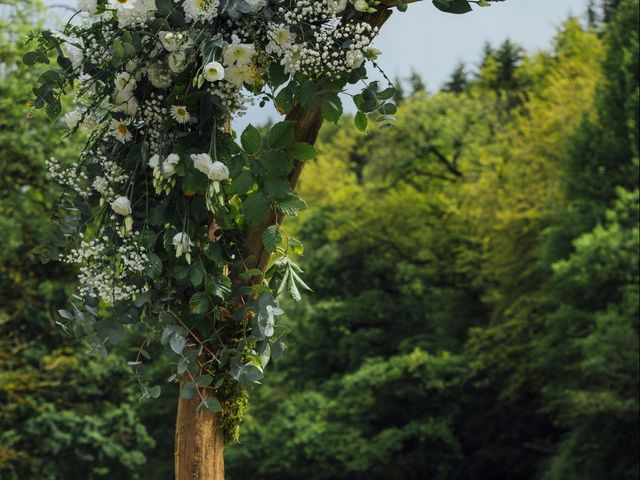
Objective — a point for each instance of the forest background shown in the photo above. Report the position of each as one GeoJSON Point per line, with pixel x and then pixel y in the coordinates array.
{"type": "Point", "coordinates": [475, 276]}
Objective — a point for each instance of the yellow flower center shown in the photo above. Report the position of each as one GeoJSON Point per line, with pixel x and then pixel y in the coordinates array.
{"type": "Point", "coordinates": [181, 112]}
{"type": "Point", "coordinates": [122, 129]}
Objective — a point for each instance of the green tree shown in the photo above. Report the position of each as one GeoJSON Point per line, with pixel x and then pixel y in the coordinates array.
{"type": "Point", "coordinates": [62, 413]}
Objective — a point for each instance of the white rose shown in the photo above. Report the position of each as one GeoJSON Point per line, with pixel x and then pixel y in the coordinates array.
{"type": "Point", "coordinates": [202, 162]}
{"type": "Point", "coordinates": [90, 6]}
{"type": "Point", "coordinates": [218, 171]}
{"type": "Point", "coordinates": [256, 5]}
{"type": "Point", "coordinates": [154, 160]}
{"type": "Point", "coordinates": [341, 6]}
{"type": "Point", "coordinates": [124, 81]}
{"type": "Point", "coordinates": [128, 107]}
{"type": "Point", "coordinates": [169, 165]}
{"type": "Point", "coordinates": [177, 61]}
{"type": "Point", "coordinates": [169, 40]}
{"type": "Point", "coordinates": [73, 118]}
{"type": "Point", "coordinates": [213, 71]}
{"type": "Point", "coordinates": [122, 206]}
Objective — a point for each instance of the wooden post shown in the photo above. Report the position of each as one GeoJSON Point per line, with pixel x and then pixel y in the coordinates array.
{"type": "Point", "coordinates": [199, 449]}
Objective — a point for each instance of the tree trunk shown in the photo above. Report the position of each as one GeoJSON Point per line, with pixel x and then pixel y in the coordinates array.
{"type": "Point", "coordinates": [199, 453]}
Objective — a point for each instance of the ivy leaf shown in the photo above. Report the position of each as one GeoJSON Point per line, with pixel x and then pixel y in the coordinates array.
{"type": "Point", "coordinates": [332, 109]}
{"type": "Point", "coordinates": [281, 135]}
{"type": "Point", "coordinates": [302, 151]}
{"type": "Point", "coordinates": [199, 303]}
{"type": "Point", "coordinates": [361, 121]}
{"type": "Point", "coordinates": [291, 205]}
{"type": "Point", "coordinates": [251, 140]}
{"type": "Point", "coordinates": [271, 238]}
{"type": "Point", "coordinates": [256, 208]}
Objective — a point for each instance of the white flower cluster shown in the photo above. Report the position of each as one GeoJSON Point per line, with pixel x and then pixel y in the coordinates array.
{"type": "Point", "coordinates": [105, 272]}
{"type": "Point", "coordinates": [142, 91]}
{"type": "Point", "coordinates": [72, 177]}
{"type": "Point", "coordinates": [154, 114]}
{"type": "Point", "coordinates": [324, 50]}
{"type": "Point", "coordinates": [112, 178]}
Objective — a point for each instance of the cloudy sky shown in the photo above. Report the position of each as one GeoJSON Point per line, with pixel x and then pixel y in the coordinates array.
{"type": "Point", "coordinates": [431, 43]}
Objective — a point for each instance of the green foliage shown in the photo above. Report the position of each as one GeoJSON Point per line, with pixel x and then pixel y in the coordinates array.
{"type": "Point", "coordinates": [63, 413]}
{"type": "Point", "coordinates": [466, 322]}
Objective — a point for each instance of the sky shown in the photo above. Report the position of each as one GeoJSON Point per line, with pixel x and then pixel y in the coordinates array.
{"type": "Point", "coordinates": [432, 43]}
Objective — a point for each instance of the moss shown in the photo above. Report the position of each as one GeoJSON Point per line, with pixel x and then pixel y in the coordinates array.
{"type": "Point", "coordinates": [236, 402]}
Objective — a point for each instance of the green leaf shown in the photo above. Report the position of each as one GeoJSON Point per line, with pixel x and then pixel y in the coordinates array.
{"type": "Point", "coordinates": [256, 208]}
{"type": "Point", "coordinates": [177, 343]}
{"type": "Point", "coordinates": [154, 268]}
{"type": "Point", "coordinates": [65, 314]}
{"type": "Point", "coordinates": [155, 392]}
{"type": "Point", "coordinates": [277, 163]}
{"type": "Point", "coordinates": [277, 75]}
{"type": "Point", "coordinates": [271, 238]}
{"type": "Point", "coordinates": [211, 405]}
{"type": "Point", "coordinates": [307, 95]}
{"type": "Point", "coordinates": [219, 287]}
{"type": "Point", "coordinates": [453, 6]}
{"type": "Point", "coordinates": [284, 98]}
{"type": "Point", "coordinates": [189, 389]}
{"type": "Point", "coordinates": [251, 140]}
{"type": "Point", "coordinates": [302, 151]}
{"type": "Point", "coordinates": [197, 273]}
{"type": "Point", "coordinates": [242, 183]}
{"type": "Point", "coordinates": [277, 187]}
{"type": "Point", "coordinates": [291, 205]}
{"type": "Point", "coordinates": [332, 109]}
{"type": "Point", "coordinates": [204, 380]}
{"type": "Point", "coordinates": [361, 121]}
{"type": "Point", "coordinates": [281, 135]}
{"type": "Point", "coordinates": [199, 303]}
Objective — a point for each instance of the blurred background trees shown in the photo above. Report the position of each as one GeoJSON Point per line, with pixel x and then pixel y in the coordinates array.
{"type": "Point", "coordinates": [475, 277]}
{"type": "Point", "coordinates": [63, 414]}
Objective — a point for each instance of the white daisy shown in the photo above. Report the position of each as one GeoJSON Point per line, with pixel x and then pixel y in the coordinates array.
{"type": "Point", "coordinates": [120, 131]}
{"type": "Point", "coordinates": [180, 113]}
{"type": "Point", "coordinates": [122, 4]}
